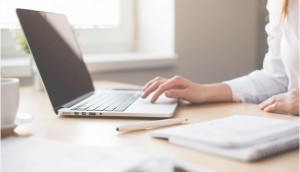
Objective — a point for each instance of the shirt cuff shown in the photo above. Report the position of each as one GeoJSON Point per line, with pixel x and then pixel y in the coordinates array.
{"type": "Point", "coordinates": [236, 87]}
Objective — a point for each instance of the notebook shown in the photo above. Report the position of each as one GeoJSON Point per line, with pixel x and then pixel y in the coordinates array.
{"type": "Point", "coordinates": [241, 137]}
{"type": "Point", "coordinates": [67, 80]}
{"type": "Point", "coordinates": [36, 154]}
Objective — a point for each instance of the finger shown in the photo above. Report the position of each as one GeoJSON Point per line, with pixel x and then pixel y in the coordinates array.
{"type": "Point", "coordinates": [152, 88]}
{"type": "Point", "coordinates": [267, 103]}
{"type": "Point", "coordinates": [151, 82]}
{"type": "Point", "coordinates": [165, 86]}
{"type": "Point", "coordinates": [277, 106]}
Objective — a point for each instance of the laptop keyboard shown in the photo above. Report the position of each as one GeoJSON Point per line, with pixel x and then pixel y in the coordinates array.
{"type": "Point", "coordinates": [107, 102]}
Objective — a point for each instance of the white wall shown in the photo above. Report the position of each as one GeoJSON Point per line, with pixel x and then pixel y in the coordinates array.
{"type": "Point", "coordinates": [215, 40]}
{"type": "Point", "coordinates": [155, 21]}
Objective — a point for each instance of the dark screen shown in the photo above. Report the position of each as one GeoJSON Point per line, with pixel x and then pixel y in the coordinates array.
{"type": "Point", "coordinates": [57, 55]}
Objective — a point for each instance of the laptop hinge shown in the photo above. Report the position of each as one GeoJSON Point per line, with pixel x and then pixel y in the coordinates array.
{"type": "Point", "coordinates": [73, 102]}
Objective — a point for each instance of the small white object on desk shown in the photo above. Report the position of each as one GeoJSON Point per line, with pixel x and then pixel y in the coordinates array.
{"type": "Point", "coordinates": [150, 124]}
{"type": "Point", "coordinates": [21, 118]}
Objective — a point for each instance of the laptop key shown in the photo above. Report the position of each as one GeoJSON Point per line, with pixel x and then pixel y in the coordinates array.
{"type": "Point", "coordinates": [90, 108]}
{"type": "Point", "coordinates": [81, 108]}
{"type": "Point", "coordinates": [108, 109]}
{"type": "Point", "coordinates": [120, 109]}
{"type": "Point", "coordinates": [101, 108]}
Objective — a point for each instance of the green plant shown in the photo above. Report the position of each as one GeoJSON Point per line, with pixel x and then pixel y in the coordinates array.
{"type": "Point", "coordinates": [20, 38]}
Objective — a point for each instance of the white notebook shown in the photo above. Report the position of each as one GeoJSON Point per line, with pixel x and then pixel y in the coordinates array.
{"type": "Point", "coordinates": [37, 154]}
{"type": "Point", "coordinates": [241, 137]}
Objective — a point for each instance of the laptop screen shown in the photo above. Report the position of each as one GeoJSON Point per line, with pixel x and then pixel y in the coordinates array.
{"type": "Point", "coordinates": [57, 55]}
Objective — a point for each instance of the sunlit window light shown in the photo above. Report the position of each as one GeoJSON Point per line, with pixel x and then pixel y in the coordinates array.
{"type": "Point", "coordinates": [81, 13]}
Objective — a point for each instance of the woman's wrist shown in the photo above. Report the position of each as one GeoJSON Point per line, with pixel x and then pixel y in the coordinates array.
{"type": "Point", "coordinates": [219, 92]}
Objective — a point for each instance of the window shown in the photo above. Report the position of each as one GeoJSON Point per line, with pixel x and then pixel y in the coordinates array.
{"type": "Point", "coordinates": [131, 33]}
{"type": "Point", "coordinates": [102, 26]}
{"type": "Point", "coordinates": [84, 14]}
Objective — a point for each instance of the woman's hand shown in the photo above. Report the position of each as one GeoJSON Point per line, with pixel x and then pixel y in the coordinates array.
{"type": "Point", "coordinates": [176, 87]}
{"type": "Point", "coordinates": [179, 87]}
{"type": "Point", "coordinates": [287, 102]}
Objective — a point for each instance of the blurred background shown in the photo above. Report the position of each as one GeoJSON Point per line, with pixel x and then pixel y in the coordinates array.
{"type": "Point", "coordinates": [133, 41]}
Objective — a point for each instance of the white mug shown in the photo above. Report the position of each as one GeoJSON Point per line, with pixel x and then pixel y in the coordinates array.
{"type": "Point", "coordinates": [9, 100]}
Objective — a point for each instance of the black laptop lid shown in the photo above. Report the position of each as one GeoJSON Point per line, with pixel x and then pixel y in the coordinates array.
{"type": "Point", "coordinates": [57, 55]}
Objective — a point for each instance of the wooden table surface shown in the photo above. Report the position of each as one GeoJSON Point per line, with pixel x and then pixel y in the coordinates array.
{"type": "Point", "coordinates": [102, 131]}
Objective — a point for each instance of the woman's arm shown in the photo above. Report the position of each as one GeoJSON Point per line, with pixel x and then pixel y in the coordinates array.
{"type": "Point", "coordinates": [179, 87]}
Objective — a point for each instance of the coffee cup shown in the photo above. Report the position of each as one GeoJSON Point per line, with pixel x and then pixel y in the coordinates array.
{"type": "Point", "coordinates": [9, 100]}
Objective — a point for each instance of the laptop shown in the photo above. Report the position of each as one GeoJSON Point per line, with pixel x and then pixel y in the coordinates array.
{"type": "Point", "coordinates": [67, 80]}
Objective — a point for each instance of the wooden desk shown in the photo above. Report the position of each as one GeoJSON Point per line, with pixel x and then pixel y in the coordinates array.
{"type": "Point", "coordinates": [102, 131]}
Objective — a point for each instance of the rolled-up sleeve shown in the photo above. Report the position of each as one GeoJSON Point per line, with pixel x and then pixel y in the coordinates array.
{"type": "Point", "coordinates": [272, 79]}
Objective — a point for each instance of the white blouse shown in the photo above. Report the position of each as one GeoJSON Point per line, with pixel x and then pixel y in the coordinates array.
{"type": "Point", "coordinates": [280, 71]}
